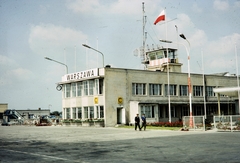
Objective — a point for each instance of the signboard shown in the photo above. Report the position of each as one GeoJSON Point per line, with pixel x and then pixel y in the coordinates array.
{"type": "Point", "coordinates": [80, 75]}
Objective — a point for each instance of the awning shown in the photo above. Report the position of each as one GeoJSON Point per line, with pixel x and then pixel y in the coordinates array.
{"type": "Point", "coordinates": [228, 91]}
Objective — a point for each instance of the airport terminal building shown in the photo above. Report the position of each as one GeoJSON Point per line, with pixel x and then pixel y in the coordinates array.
{"type": "Point", "coordinates": [117, 94]}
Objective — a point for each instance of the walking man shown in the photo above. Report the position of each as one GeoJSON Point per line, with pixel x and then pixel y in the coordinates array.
{"type": "Point", "coordinates": [144, 122]}
{"type": "Point", "coordinates": [137, 122]}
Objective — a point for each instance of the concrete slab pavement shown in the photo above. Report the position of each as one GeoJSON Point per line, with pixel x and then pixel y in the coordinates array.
{"type": "Point", "coordinates": [89, 144]}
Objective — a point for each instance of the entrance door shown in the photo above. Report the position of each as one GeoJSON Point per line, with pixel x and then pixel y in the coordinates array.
{"type": "Point", "coordinates": [121, 116]}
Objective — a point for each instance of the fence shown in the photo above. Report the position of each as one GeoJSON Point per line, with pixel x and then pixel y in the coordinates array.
{"type": "Point", "coordinates": [194, 122]}
{"type": "Point", "coordinates": [227, 122]}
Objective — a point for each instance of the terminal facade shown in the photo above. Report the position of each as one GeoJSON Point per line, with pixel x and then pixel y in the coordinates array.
{"type": "Point", "coordinates": [117, 94]}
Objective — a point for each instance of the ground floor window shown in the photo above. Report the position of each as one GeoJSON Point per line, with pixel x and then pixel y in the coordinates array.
{"type": "Point", "coordinates": [79, 113]}
{"type": "Point", "coordinates": [74, 113]}
{"type": "Point", "coordinates": [148, 110]}
{"type": "Point", "coordinates": [100, 111]}
{"type": "Point", "coordinates": [185, 111]}
{"type": "Point", "coordinates": [68, 115]}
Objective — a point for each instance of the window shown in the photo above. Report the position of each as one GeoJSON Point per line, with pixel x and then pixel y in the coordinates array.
{"type": "Point", "coordinates": [148, 110]}
{"type": "Point", "coordinates": [172, 90]}
{"type": "Point", "coordinates": [155, 89]}
{"type": "Point", "coordinates": [73, 113]}
{"type": "Point", "coordinates": [100, 112]}
{"type": "Point", "coordinates": [79, 88]}
{"type": "Point", "coordinates": [198, 110]}
{"type": "Point", "coordinates": [68, 90]}
{"type": "Point", "coordinates": [79, 113]}
{"type": "Point", "coordinates": [91, 85]}
{"type": "Point", "coordinates": [73, 89]}
{"type": "Point", "coordinates": [99, 86]}
{"type": "Point", "coordinates": [85, 88]}
{"type": "Point", "coordinates": [185, 111]}
{"type": "Point", "coordinates": [138, 89]}
{"type": "Point", "coordinates": [91, 112]}
{"type": "Point", "coordinates": [197, 90]}
{"type": "Point", "coordinates": [68, 116]}
{"type": "Point", "coordinates": [85, 112]}
{"type": "Point", "coordinates": [173, 111]}
{"type": "Point", "coordinates": [210, 91]}
{"type": "Point", "coordinates": [183, 90]}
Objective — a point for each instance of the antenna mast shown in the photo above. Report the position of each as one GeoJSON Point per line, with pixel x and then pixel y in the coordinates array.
{"type": "Point", "coordinates": [144, 34]}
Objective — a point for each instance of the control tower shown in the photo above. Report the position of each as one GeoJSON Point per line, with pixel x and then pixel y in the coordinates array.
{"type": "Point", "coordinates": [157, 60]}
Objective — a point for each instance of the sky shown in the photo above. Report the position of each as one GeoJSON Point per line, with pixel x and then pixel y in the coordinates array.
{"type": "Point", "coordinates": [32, 30]}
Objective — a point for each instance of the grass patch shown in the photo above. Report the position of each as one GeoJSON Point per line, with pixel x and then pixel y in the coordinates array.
{"type": "Point", "coordinates": [153, 128]}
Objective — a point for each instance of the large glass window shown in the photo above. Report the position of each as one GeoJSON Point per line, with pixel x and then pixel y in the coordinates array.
{"type": "Point", "coordinates": [73, 89]}
{"type": "Point", "coordinates": [91, 85]}
{"type": "Point", "coordinates": [68, 116]}
{"type": "Point", "coordinates": [172, 90]}
{"type": "Point", "coordinates": [79, 88]}
{"type": "Point", "coordinates": [155, 89]}
{"type": "Point", "coordinates": [73, 113]}
{"type": "Point", "coordinates": [138, 89]}
{"type": "Point", "coordinates": [100, 112]}
{"type": "Point", "coordinates": [85, 89]}
{"type": "Point", "coordinates": [183, 90]}
{"type": "Point", "coordinates": [185, 111]}
{"type": "Point", "coordinates": [79, 113]}
{"type": "Point", "coordinates": [197, 90]}
{"type": "Point", "coordinates": [86, 112]}
{"type": "Point", "coordinates": [68, 90]}
{"type": "Point", "coordinates": [210, 92]}
{"type": "Point", "coordinates": [91, 111]}
{"type": "Point", "coordinates": [148, 110]}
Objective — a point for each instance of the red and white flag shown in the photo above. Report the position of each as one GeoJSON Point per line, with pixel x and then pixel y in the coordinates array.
{"type": "Point", "coordinates": [161, 17]}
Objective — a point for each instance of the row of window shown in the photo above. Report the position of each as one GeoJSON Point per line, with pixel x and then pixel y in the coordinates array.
{"type": "Point", "coordinates": [174, 90]}
{"type": "Point", "coordinates": [86, 112]}
{"type": "Point", "coordinates": [83, 88]}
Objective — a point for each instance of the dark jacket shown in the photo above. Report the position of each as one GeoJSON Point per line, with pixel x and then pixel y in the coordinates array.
{"type": "Point", "coordinates": [137, 119]}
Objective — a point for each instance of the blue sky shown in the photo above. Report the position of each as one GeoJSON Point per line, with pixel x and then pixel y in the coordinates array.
{"type": "Point", "coordinates": [31, 30]}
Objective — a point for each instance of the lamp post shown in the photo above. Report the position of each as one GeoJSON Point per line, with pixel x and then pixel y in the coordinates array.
{"type": "Point", "coordinates": [87, 46]}
{"type": "Point", "coordinates": [189, 79]}
{"type": "Point", "coordinates": [57, 62]}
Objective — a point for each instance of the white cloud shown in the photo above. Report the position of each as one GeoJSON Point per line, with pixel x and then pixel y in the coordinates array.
{"type": "Point", "coordinates": [49, 36]}
{"type": "Point", "coordinates": [196, 8]}
{"type": "Point", "coordinates": [81, 6]}
{"type": "Point", "coordinates": [220, 5]}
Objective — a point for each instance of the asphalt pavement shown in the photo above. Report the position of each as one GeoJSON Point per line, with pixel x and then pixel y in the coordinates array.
{"type": "Point", "coordinates": [21, 144]}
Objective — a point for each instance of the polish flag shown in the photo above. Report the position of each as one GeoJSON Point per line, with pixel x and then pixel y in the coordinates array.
{"type": "Point", "coordinates": [160, 17]}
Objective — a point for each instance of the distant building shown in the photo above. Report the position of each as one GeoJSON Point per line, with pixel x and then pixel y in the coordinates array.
{"type": "Point", "coordinates": [3, 107]}
{"type": "Point", "coordinates": [117, 94]}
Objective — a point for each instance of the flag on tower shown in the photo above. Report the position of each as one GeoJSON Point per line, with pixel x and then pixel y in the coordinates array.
{"type": "Point", "coordinates": [161, 17]}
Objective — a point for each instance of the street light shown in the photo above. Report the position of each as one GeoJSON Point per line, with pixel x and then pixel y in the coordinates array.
{"type": "Point", "coordinates": [189, 79]}
{"type": "Point", "coordinates": [87, 46]}
{"type": "Point", "coordinates": [57, 62]}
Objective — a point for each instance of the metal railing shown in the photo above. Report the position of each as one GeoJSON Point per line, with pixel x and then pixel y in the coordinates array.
{"type": "Point", "coordinates": [198, 122]}
{"type": "Point", "coordinates": [227, 123]}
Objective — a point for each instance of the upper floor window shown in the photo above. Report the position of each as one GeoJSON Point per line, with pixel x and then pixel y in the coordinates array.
{"type": "Point", "coordinates": [183, 90]}
{"type": "Point", "coordinates": [138, 89]}
{"type": "Point", "coordinates": [155, 89]}
{"type": "Point", "coordinates": [197, 90]}
{"type": "Point", "coordinates": [172, 90]}
{"type": "Point", "coordinates": [74, 91]}
{"type": "Point", "coordinates": [79, 88]}
{"type": "Point", "coordinates": [68, 90]}
{"type": "Point", "coordinates": [209, 90]}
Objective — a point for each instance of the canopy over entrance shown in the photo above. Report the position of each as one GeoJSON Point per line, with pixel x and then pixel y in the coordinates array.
{"type": "Point", "coordinates": [228, 91]}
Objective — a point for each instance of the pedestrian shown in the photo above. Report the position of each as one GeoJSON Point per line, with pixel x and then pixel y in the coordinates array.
{"type": "Point", "coordinates": [144, 122]}
{"type": "Point", "coordinates": [137, 122]}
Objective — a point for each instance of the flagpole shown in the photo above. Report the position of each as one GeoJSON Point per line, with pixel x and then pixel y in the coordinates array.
{"type": "Point", "coordinates": [169, 104]}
